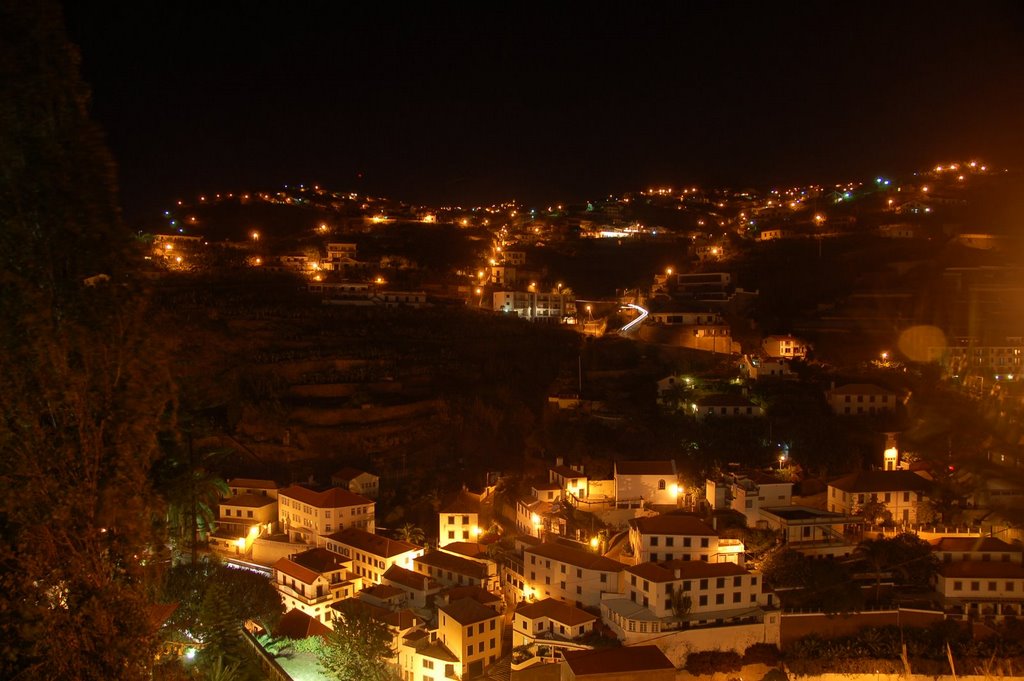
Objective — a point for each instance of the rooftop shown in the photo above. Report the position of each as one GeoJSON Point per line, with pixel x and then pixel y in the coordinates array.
{"type": "Point", "coordinates": [335, 497]}
{"type": "Point", "coordinates": [860, 389]}
{"type": "Point", "coordinates": [369, 542]}
{"type": "Point", "coordinates": [975, 544]}
{"type": "Point", "coordinates": [463, 502]}
{"type": "Point", "coordinates": [724, 400]}
{"type": "Point", "coordinates": [409, 579]}
{"type": "Point", "coordinates": [466, 548]}
{"type": "Point", "coordinates": [567, 472]}
{"type": "Point", "coordinates": [576, 557]}
{"type": "Point", "coordinates": [467, 611]}
{"type": "Point", "coordinates": [881, 481]}
{"type": "Point", "coordinates": [645, 468]}
{"type": "Point", "coordinates": [477, 593]}
{"type": "Point", "coordinates": [559, 611]}
{"type": "Point", "coordinates": [991, 569]}
{"type": "Point", "coordinates": [452, 563]}
{"type": "Point", "coordinates": [349, 473]}
{"type": "Point", "coordinates": [248, 500]}
{"type": "Point", "coordinates": [794, 513]}
{"type": "Point", "coordinates": [617, 660]}
{"type": "Point", "coordinates": [673, 524]}
{"type": "Point", "coordinates": [296, 624]}
{"type": "Point", "coordinates": [399, 619]}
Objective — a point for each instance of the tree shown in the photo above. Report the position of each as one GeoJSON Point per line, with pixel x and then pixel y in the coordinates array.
{"type": "Point", "coordinates": [681, 603]}
{"type": "Point", "coordinates": [215, 601]}
{"type": "Point", "coordinates": [359, 648]}
{"type": "Point", "coordinates": [85, 390]}
{"type": "Point", "coordinates": [874, 512]}
{"type": "Point", "coordinates": [410, 533]}
{"type": "Point", "coordinates": [877, 554]}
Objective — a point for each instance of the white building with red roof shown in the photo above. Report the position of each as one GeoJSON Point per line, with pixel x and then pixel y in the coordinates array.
{"type": "Point", "coordinates": [550, 621]}
{"type": "Point", "coordinates": [680, 537]}
{"type": "Point", "coordinates": [856, 399]}
{"type": "Point", "coordinates": [312, 580]}
{"type": "Point", "coordinates": [572, 575]}
{"type": "Point", "coordinates": [650, 482]}
{"type": "Point", "coordinates": [371, 554]}
{"type": "Point", "coordinates": [305, 514]}
{"type": "Point", "coordinates": [658, 597]}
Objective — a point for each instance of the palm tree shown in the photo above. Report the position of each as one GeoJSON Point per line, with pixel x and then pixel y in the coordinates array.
{"type": "Point", "coordinates": [410, 533]}
{"type": "Point", "coordinates": [877, 554]}
{"type": "Point", "coordinates": [191, 489]}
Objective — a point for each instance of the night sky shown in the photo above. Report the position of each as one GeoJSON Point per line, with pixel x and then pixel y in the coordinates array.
{"type": "Point", "coordinates": [443, 104]}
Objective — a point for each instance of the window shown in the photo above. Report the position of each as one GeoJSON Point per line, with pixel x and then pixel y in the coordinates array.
{"type": "Point", "coordinates": [888, 497]}
{"type": "Point", "coordinates": [604, 577]}
{"type": "Point", "coordinates": [579, 573]}
{"type": "Point", "coordinates": [451, 534]}
{"type": "Point", "coordinates": [686, 542]}
{"type": "Point", "coordinates": [1009, 586]}
{"type": "Point", "coordinates": [906, 496]}
{"type": "Point", "coordinates": [451, 520]}
{"type": "Point", "coordinates": [753, 581]}
{"type": "Point", "coordinates": [563, 568]}
{"type": "Point", "coordinates": [327, 514]}
{"type": "Point", "coordinates": [654, 558]}
{"type": "Point", "coordinates": [737, 581]}
{"type": "Point", "coordinates": [469, 649]}
{"type": "Point", "coordinates": [248, 514]}
{"type": "Point", "coordinates": [465, 520]}
{"type": "Point", "coordinates": [991, 586]}
{"type": "Point", "coordinates": [669, 541]}
{"type": "Point", "coordinates": [654, 541]}
{"type": "Point", "coordinates": [720, 583]}
{"type": "Point", "coordinates": [579, 590]}
{"type": "Point", "coordinates": [686, 585]}
{"type": "Point", "coordinates": [975, 586]}
{"type": "Point", "coordinates": [492, 625]}
{"type": "Point", "coordinates": [632, 580]}
{"type": "Point", "coordinates": [428, 664]}
{"type": "Point", "coordinates": [703, 542]}
{"type": "Point", "coordinates": [719, 599]}
{"type": "Point", "coordinates": [661, 484]}
{"type": "Point", "coordinates": [703, 585]}
{"type": "Point", "coordinates": [703, 600]}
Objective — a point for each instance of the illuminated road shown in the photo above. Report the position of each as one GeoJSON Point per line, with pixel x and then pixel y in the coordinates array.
{"type": "Point", "coordinates": [636, 322]}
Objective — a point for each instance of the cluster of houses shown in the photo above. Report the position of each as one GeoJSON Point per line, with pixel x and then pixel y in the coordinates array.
{"type": "Point", "coordinates": [667, 582]}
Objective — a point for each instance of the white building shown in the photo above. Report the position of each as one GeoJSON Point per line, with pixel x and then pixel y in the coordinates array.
{"type": "Point", "coordinates": [304, 514]}
{"type": "Point", "coordinates": [536, 305]}
{"type": "Point", "coordinates": [572, 575]}
{"type": "Point", "coordinates": [901, 492]}
{"type": "Point", "coordinates": [459, 520]}
{"type": "Point", "coordinates": [680, 537]}
{"type": "Point", "coordinates": [371, 554]}
{"type": "Point", "coordinates": [725, 406]}
{"type": "Point", "coordinates": [976, 588]}
{"type": "Point", "coordinates": [860, 398]}
{"type": "Point", "coordinates": [357, 481]}
{"type": "Point", "coordinates": [651, 482]}
{"type": "Point", "coordinates": [312, 580]}
{"type": "Point", "coordinates": [749, 493]}
{"type": "Point", "coordinates": [654, 598]}
{"type": "Point", "coordinates": [784, 347]}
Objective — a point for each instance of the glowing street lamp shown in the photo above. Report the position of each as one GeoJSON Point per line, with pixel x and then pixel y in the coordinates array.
{"type": "Point", "coordinates": [255, 236]}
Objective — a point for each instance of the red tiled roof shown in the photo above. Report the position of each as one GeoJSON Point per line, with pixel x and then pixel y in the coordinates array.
{"type": "Point", "coordinates": [567, 472]}
{"type": "Point", "coordinates": [248, 500]}
{"type": "Point", "coordinates": [382, 591]}
{"type": "Point", "coordinates": [974, 544]}
{"type": "Point", "coordinates": [616, 660]}
{"type": "Point", "coordinates": [860, 389]}
{"type": "Point", "coordinates": [645, 468]}
{"type": "Point", "coordinates": [462, 503]}
{"type": "Point", "coordinates": [335, 497]}
{"type": "Point", "coordinates": [466, 548]}
{"type": "Point", "coordinates": [295, 571]}
{"type": "Point", "coordinates": [348, 473]}
{"type": "Point", "coordinates": [475, 592]}
{"type": "Point", "coordinates": [673, 524]}
{"type": "Point", "coordinates": [399, 619]}
{"type": "Point", "coordinates": [297, 624]}
{"type": "Point", "coordinates": [467, 611]}
{"type": "Point", "coordinates": [409, 579]}
{"type": "Point", "coordinates": [559, 611]}
{"type": "Point", "coordinates": [652, 572]}
{"type": "Point", "coordinates": [881, 481]}
{"type": "Point", "coordinates": [382, 547]}
{"type": "Point", "coordinates": [992, 569]}
{"type": "Point", "coordinates": [698, 569]}
{"type": "Point", "coordinates": [576, 557]}
{"type": "Point", "coordinates": [446, 561]}
{"type": "Point", "coordinates": [320, 560]}
{"type": "Point", "coordinates": [159, 613]}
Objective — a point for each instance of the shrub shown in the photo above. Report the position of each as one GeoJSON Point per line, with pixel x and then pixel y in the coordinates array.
{"type": "Point", "coordinates": [711, 661]}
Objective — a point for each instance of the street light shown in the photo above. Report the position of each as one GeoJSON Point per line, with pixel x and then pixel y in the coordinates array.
{"type": "Point", "coordinates": [589, 309]}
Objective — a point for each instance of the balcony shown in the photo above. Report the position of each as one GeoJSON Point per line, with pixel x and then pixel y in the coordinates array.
{"type": "Point", "coordinates": [287, 590]}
